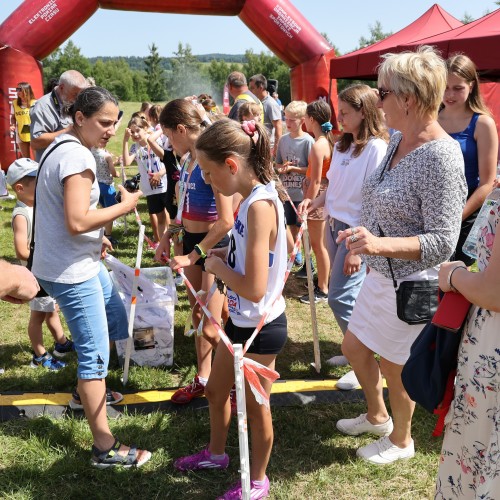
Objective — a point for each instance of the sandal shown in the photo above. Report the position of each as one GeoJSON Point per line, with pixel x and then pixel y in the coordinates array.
{"type": "Point", "coordinates": [111, 458]}
{"type": "Point", "coordinates": [112, 397]}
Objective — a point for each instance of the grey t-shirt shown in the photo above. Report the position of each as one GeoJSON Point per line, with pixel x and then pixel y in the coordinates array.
{"type": "Point", "coordinates": [294, 150]}
{"type": "Point", "coordinates": [272, 112]}
{"type": "Point", "coordinates": [59, 256]}
{"type": "Point", "coordinates": [46, 116]}
{"type": "Point", "coordinates": [233, 113]}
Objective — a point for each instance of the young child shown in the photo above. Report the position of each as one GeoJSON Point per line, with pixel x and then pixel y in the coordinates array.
{"type": "Point", "coordinates": [152, 170]}
{"type": "Point", "coordinates": [21, 176]}
{"type": "Point", "coordinates": [250, 111]}
{"type": "Point", "coordinates": [318, 114]}
{"type": "Point", "coordinates": [206, 216]}
{"type": "Point", "coordinates": [236, 158]}
{"type": "Point", "coordinates": [291, 163]}
{"type": "Point", "coordinates": [105, 169]}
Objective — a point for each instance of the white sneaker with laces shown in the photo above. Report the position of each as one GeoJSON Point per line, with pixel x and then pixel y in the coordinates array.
{"type": "Point", "coordinates": [360, 425]}
{"type": "Point", "coordinates": [348, 382]}
{"type": "Point", "coordinates": [337, 361]}
{"type": "Point", "coordinates": [383, 452]}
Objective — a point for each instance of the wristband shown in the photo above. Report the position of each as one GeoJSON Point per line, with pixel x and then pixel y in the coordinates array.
{"type": "Point", "coordinates": [450, 275]}
{"type": "Point", "coordinates": [200, 251]}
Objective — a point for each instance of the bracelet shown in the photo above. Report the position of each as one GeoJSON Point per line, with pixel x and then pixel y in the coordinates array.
{"type": "Point", "coordinates": [450, 275]}
{"type": "Point", "coordinates": [200, 251]}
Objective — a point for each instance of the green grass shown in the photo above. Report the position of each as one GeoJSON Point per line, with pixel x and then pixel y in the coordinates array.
{"type": "Point", "coordinates": [48, 458]}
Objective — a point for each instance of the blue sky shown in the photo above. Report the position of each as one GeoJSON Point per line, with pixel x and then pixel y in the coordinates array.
{"type": "Point", "coordinates": [119, 33]}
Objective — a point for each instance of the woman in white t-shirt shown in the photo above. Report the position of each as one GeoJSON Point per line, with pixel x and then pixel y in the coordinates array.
{"type": "Point", "coordinates": [356, 155]}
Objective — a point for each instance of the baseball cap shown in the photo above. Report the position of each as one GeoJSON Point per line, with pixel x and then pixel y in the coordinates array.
{"type": "Point", "coordinates": [22, 167]}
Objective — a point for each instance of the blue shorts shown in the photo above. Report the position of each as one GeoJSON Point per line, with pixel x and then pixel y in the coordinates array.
{"type": "Point", "coordinates": [95, 314]}
{"type": "Point", "coordinates": [107, 197]}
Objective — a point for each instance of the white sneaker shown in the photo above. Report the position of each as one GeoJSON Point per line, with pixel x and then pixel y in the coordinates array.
{"type": "Point", "coordinates": [348, 382]}
{"type": "Point", "coordinates": [337, 361]}
{"type": "Point", "coordinates": [383, 452]}
{"type": "Point", "coordinates": [360, 425]}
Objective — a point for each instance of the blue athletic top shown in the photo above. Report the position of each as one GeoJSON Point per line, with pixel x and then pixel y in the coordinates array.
{"type": "Point", "coordinates": [199, 201]}
{"type": "Point", "coordinates": [468, 145]}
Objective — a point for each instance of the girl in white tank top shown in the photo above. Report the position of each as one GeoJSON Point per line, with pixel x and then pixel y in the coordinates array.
{"type": "Point", "coordinates": [235, 158]}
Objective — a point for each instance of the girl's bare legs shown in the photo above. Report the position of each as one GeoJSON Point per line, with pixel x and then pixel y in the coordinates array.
{"type": "Point", "coordinates": [35, 332]}
{"type": "Point", "coordinates": [259, 417]}
{"type": "Point", "coordinates": [153, 218]}
{"type": "Point", "coordinates": [162, 223]}
{"type": "Point", "coordinates": [318, 243]}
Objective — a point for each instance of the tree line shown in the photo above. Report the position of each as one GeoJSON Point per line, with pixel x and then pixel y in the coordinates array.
{"type": "Point", "coordinates": [158, 79]}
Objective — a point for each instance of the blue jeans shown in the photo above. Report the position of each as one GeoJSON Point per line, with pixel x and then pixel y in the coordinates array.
{"type": "Point", "coordinates": [342, 289]}
{"type": "Point", "coordinates": [95, 314]}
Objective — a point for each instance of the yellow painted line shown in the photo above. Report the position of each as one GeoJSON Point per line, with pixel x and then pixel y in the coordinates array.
{"type": "Point", "coordinates": [62, 399]}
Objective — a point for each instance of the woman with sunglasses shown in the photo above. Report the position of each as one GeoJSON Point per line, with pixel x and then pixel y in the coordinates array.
{"type": "Point", "coordinates": [467, 119]}
{"type": "Point", "coordinates": [20, 120]}
{"type": "Point", "coordinates": [411, 211]}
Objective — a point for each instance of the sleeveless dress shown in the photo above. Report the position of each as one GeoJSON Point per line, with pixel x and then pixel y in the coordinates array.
{"type": "Point", "coordinates": [470, 457]}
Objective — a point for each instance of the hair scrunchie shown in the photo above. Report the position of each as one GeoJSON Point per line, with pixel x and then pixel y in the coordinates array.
{"type": "Point", "coordinates": [250, 129]}
{"type": "Point", "coordinates": [326, 127]}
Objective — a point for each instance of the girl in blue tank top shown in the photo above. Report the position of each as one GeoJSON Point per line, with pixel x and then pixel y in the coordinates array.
{"type": "Point", "coordinates": [467, 119]}
{"type": "Point", "coordinates": [206, 217]}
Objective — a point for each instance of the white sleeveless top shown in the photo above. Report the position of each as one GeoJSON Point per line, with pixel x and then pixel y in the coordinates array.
{"type": "Point", "coordinates": [243, 312]}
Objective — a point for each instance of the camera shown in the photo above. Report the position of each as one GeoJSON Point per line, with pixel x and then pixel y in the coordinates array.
{"type": "Point", "coordinates": [130, 185]}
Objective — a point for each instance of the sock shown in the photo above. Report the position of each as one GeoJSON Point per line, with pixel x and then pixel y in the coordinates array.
{"type": "Point", "coordinates": [39, 358]}
{"type": "Point", "coordinates": [217, 457]}
{"type": "Point", "coordinates": [202, 380]}
{"type": "Point", "coordinates": [259, 484]}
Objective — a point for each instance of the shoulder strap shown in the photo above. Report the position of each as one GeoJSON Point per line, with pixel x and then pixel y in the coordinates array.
{"type": "Point", "coordinates": [394, 282]}
{"type": "Point", "coordinates": [32, 242]}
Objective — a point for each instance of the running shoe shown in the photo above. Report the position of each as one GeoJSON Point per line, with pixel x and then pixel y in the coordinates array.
{"type": "Point", "coordinates": [47, 361]}
{"type": "Point", "coordinates": [186, 394]}
{"type": "Point", "coordinates": [201, 460]}
{"type": "Point", "coordinates": [256, 491]}
{"type": "Point", "coordinates": [61, 350]}
{"type": "Point", "coordinates": [319, 296]}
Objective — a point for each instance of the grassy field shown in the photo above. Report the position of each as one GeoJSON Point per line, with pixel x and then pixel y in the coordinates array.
{"type": "Point", "coordinates": [48, 458]}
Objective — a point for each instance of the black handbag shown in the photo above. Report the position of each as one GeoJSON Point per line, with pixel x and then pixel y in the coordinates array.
{"type": "Point", "coordinates": [416, 301]}
{"type": "Point", "coordinates": [29, 264]}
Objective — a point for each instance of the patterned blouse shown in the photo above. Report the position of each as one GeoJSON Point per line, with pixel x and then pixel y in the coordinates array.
{"type": "Point", "coordinates": [424, 196]}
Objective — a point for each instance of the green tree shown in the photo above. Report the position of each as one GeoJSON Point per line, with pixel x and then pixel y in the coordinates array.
{"type": "Point", "coordinates": [376, 34]}
{"type": "Point", "coordinates": [117, 77]}
{"type": "Point", "coordinates": [155, 76]}
{"type": "Point", "coordinates": [217, 73]}
{"type": "Point", "coordinates": [61, 60]}
{"type": "Point", "coordinates": [186, 76]}
{"type": "Point", "coordinates": [467, 18]}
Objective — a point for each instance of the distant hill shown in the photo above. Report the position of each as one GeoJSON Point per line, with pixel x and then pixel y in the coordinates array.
{"type": "Point", "coordinates": [137, 63]}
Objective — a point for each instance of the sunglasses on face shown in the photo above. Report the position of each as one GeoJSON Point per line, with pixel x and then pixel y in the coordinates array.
{"type": "Point", "coordinates": [383, 93]}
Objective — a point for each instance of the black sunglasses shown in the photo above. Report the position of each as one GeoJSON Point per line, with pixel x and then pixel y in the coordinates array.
{"type": "Point", "coordinates": [383, 93]}
{"type": "Point", "coordinates": [18, 89]}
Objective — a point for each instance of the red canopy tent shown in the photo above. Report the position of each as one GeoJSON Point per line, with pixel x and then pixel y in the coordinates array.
{"type": "Point", "coordinates": [362, 64]}
{"type": "Point", "coordinates": [480, 40]}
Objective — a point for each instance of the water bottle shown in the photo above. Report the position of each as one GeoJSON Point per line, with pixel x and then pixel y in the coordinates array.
{"type": "Point", "coordinates": [470, 245]}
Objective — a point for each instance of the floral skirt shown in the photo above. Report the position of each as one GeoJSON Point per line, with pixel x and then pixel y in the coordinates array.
{"type": "Point", "coordinates": [470, 458]}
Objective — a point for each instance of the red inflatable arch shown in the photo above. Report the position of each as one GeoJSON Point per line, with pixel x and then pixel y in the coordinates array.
{"type": "Point", "coordinates": [38, 27]}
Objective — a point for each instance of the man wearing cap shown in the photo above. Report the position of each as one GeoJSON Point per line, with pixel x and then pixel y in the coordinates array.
{"type": "Point", "coordinates": [50, 115]}
{"type": "Point", "coordinates": [238, 90]}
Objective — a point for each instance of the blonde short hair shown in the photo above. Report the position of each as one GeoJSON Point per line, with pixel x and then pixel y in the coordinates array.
{"type": "Point", "coordinates": [421, 74]}
{"type": "Point", "coordinates": [297, 108]}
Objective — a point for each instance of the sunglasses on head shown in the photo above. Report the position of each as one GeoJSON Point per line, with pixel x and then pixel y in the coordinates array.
{"type": "Point", "coordinates": [18, 89]}
{"type": "Point", "coordinates": [383, 93]}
